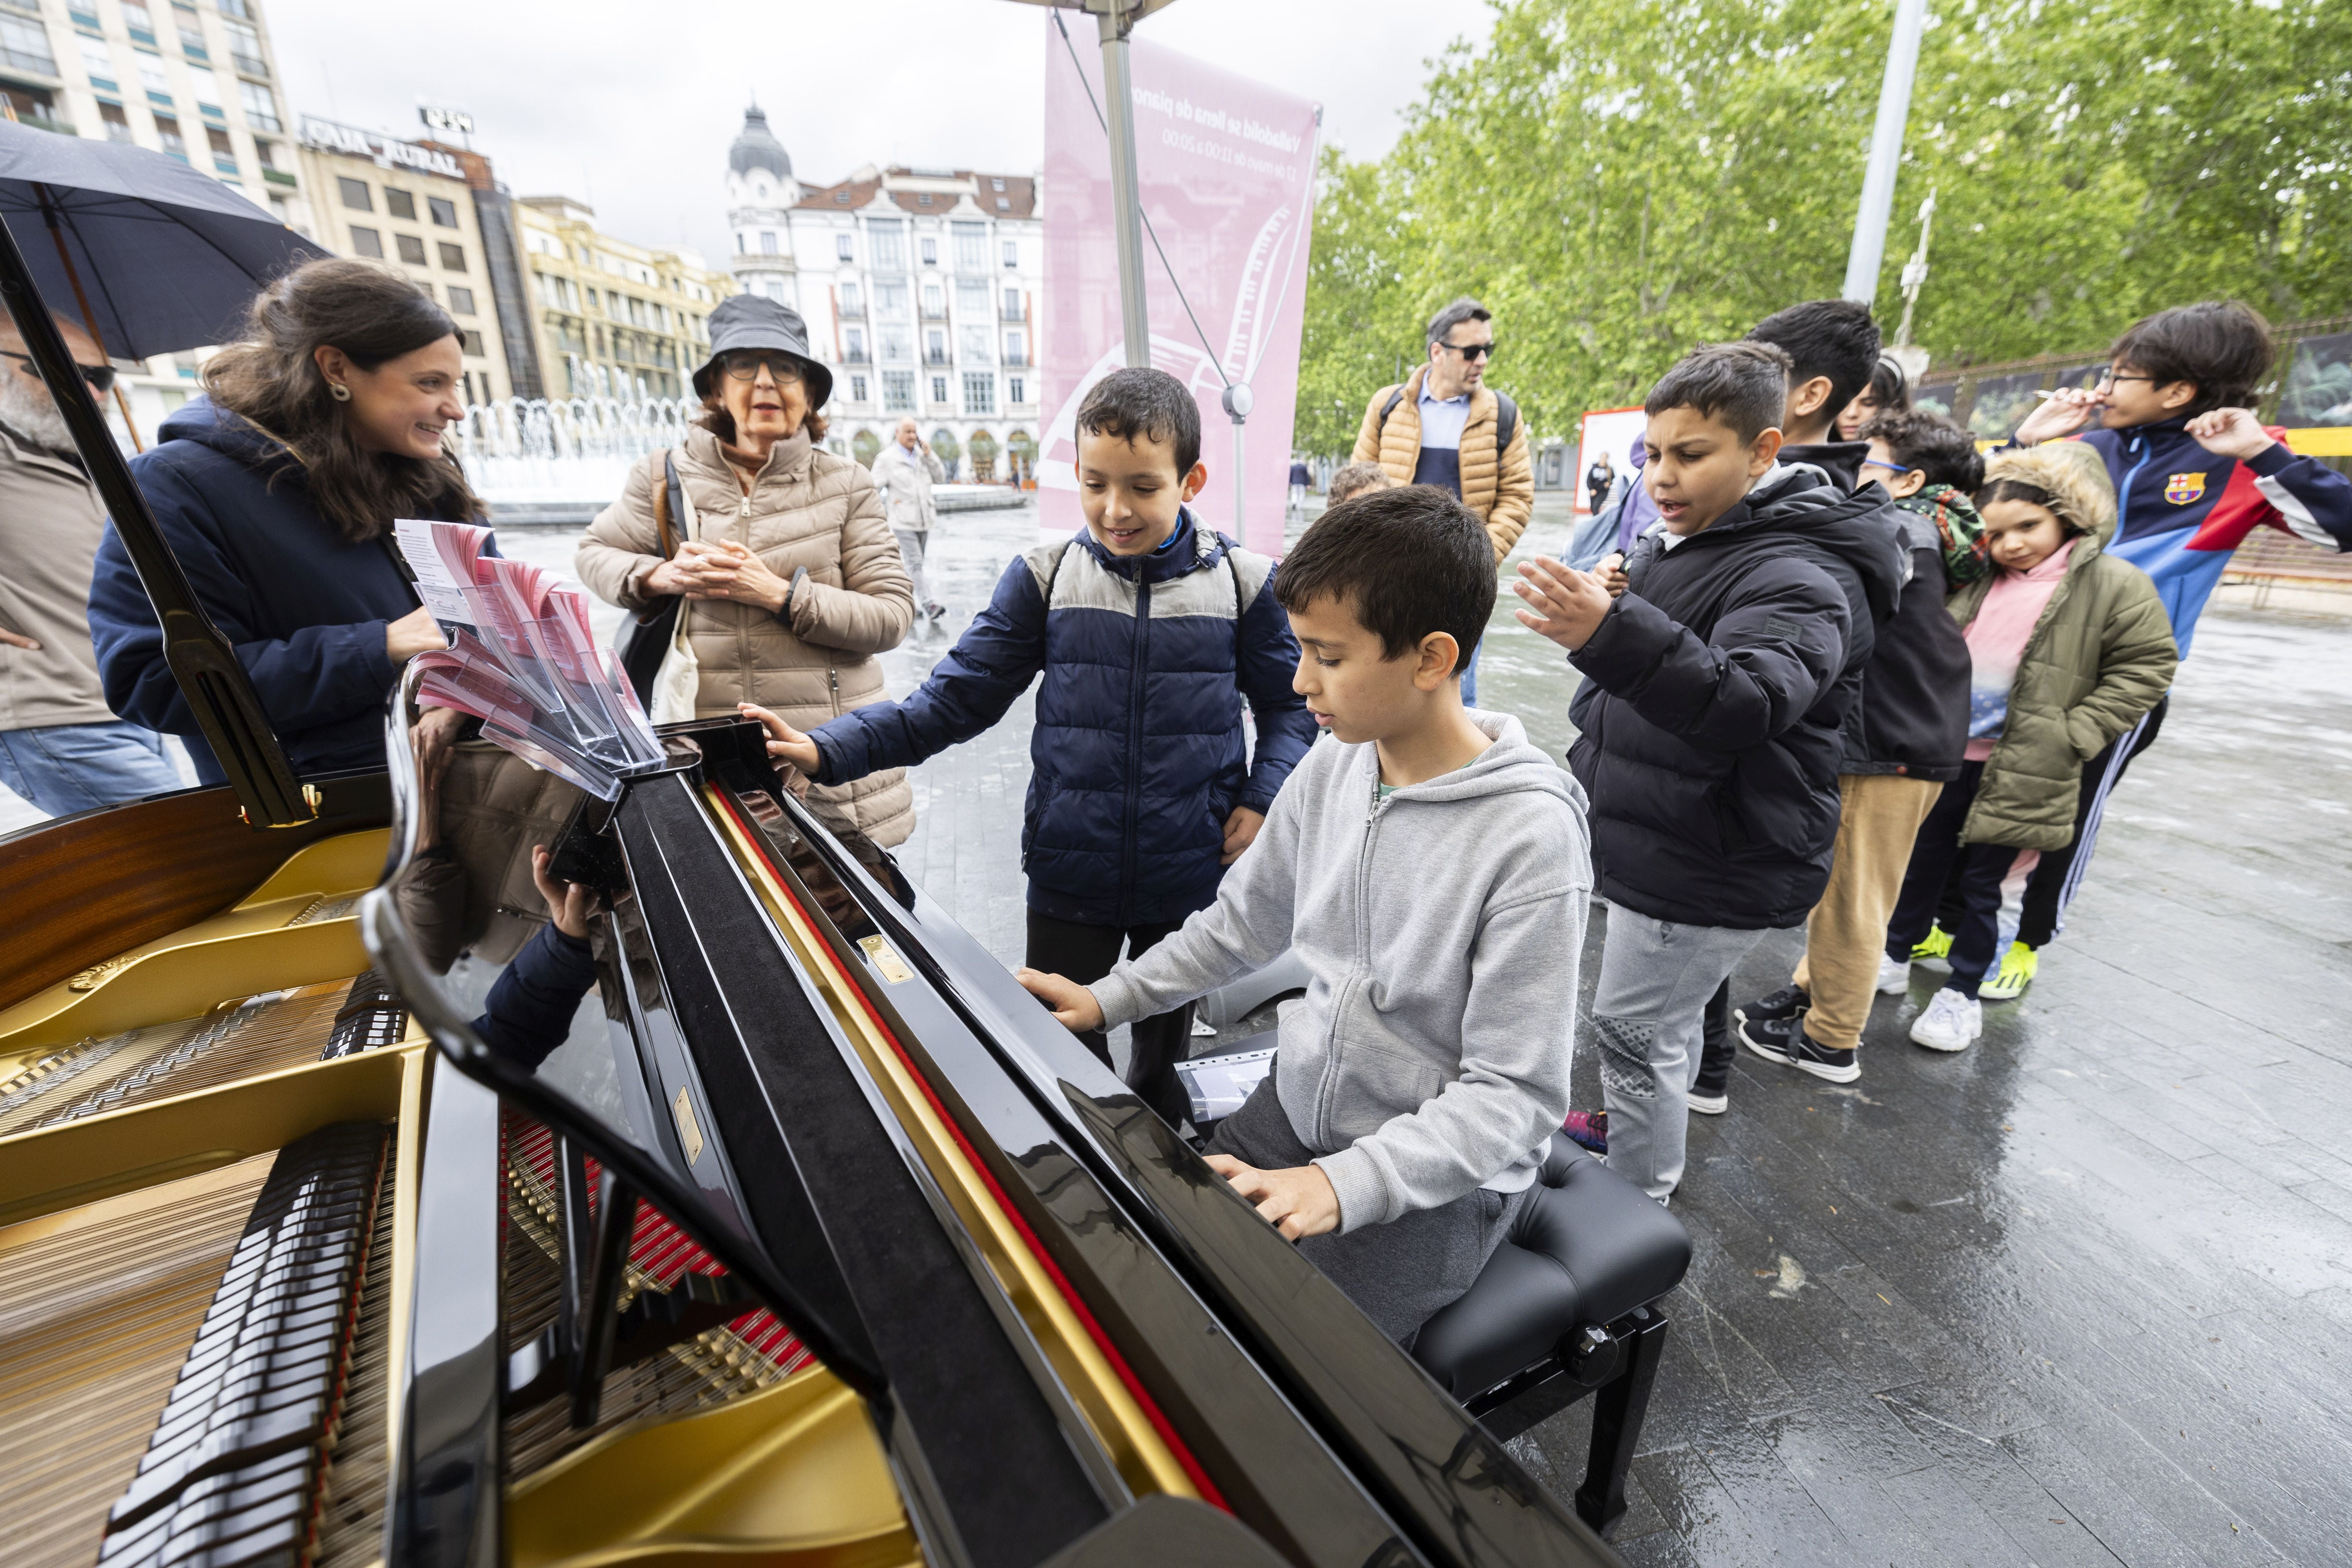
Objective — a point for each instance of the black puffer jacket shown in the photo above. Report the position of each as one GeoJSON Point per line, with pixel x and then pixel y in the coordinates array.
{"type": "Point", "coordinates": [1913, 717]}
{"type": "Point", "coordinates": [1715, 692]}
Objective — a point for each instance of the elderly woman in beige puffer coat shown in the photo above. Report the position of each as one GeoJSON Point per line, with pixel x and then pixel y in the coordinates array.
{"type": "Point", "coordinates": [793, 581]}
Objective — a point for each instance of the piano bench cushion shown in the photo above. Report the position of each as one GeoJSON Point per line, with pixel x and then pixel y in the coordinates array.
{"type": "Point", "coordinates": [1588, 1247]}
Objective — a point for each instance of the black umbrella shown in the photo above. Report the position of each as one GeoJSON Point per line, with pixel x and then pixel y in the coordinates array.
{"type": "Point", "coordinates": [154, 258]}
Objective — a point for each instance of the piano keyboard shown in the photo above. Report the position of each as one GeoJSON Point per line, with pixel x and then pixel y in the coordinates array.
{"type": "Point", "coordinates": [231, 1474]}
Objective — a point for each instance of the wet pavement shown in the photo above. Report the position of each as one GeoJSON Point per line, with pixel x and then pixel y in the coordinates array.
{"type": "Point", "coordinates": [2082, 1294]}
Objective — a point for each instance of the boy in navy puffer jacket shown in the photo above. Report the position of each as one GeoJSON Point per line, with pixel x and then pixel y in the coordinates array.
{"type": "Point", "coordinates": [1150, 633]}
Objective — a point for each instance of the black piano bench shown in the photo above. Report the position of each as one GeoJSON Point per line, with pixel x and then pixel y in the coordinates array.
{"type": "Point", "coordinates": [1566, 1308]}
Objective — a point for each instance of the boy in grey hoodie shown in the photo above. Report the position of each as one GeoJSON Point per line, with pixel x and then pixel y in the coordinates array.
{"type": "Point", "coordinates": [1432, 868]}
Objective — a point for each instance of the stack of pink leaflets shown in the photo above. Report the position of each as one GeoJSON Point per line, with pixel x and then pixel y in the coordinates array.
{"type": "Point", "coordinates": [522, 660]}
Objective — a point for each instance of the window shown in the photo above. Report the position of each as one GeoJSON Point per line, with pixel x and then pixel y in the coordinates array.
{"type": "Point", "coordinates": [354, 194]}
{"type": "Point", "coordinates": [939, 389]}
{"type": "Point", "coordinates": [234, 9]}
{"type": "Point", "coordinates": [935, 346]}
{"type": "Point", "coordinates": [979, 392]}
{"type": "Point", "coordinates": [1004, 204]}
{"type": "Point", "coordinates": [206, 86]}
{"type": "Point", "coordinates": [223, 150]}
{"type": "Point", "coordinates": [117, 123]}
{"type": "Point", "coordinates": [776, 289]}
{"type": "Point", "coordinates": [972, 247]}
{"type": "Point", "coordinates": [996, 183]}
{"type": "Point", "coordinates": [1016, 348]}
{"type": "Point", "coordinates": [856, 338]}
{"type": "Point", "coordinates": [244, 49]}
{"type": "Point", "coordinates": [841, 249]}
{"type": "Point", "coordinates": [444, 211]}
{"type": "Point", "coordinates": [935, 304]}
{"type": "Point", "coordinates": [399, 203]}
{"type": "Point", "coordinates": [367, 242]}
{"type": "Point", "coordinates": [1016, 390]}
{"type": "Point", "coordinates": [888, 242]}
{"type": "Point", "coordinates": [97, 59]}
{"type": "Point", "coordinates": [461, 300]}
{"type": "Point", "coordinates": [192, 43]}
{"type": "Point", "coordinates": [930, 248]}
{"type": "Point", "coordinates": [471, 341]}
{"type": "Point", "coordinates": [768, 242]}
{"type": "Point", "coordinates": [897, 392]}
{"type": "Point", "coordinates": [897, 345]}
{"type": "Point", "coordinates": [167, 131]}
{"type": "Point", "coordinates": [972, 298]}
{"type": "Point", "coordinates": [971, 345]}
{"type": "Point", "coordinates": [260, 106]}
{"type": "Point", "coordinates": [890, 298]}
{"type": "Point", "coordinates": [851, 304]}
{"type": "Point", "coordinates": [139, 19]}
{"type": "Point", "coordinates": [923, 201]}
{"type": "Point", "coordinates": [265, 154]}
{"type": "Point", "coordinates": [453, 258]}
{"type": "Point", "coordinates": [1012, 252]}
{"type": "Point", "coordinates": [841, 198]}
{"type": "Point", "coordinates": [1012, 311]}
{"type": "Point", "coordinates": [151, 76]}
{"type": "Point", "coordinates": [411, 249]}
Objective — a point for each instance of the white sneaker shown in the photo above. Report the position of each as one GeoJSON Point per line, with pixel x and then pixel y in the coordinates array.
{"type": "Point", "coordinates": [1894, 975]}
{"type": "Point", "coordinates": [1950, 1022]}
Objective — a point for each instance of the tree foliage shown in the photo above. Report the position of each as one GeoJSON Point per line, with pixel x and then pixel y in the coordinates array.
{"type": "Point", "coordinates": [1621, 179]}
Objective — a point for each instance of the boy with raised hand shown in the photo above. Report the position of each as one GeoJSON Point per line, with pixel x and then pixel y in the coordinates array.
{"type": "Point", "coordinates": [1430, 867]}
{"type": "Point", "coordinates": [2195, 473]}
{"type": "Point", "coordinates": [1715, 689]}
{"type": "Point", "coordinates": [1149, 632]}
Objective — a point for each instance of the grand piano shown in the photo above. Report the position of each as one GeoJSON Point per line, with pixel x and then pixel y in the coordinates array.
{"type": "Point", "coordinates": [807, 1236]}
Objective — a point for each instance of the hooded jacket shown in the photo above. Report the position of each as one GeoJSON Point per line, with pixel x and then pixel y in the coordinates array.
{"type": "Point", "coordinates": [304, 609]}
{"type": "Point", "coordinates": [1717, 690]}
{"type": "Point", "coordinates": [1441, 929]}
{"type": "Point", "coordinates": [1499, 487]}
{"type": "Point", "coordinates": [1137, 757]}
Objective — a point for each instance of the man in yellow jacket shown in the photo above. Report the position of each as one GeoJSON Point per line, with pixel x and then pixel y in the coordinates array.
{"type": "Point", "coordinates": [1446, 426]}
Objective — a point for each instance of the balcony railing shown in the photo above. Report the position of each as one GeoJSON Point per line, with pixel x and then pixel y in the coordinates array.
{"type": "Point", "coordinates": [1016, 361]}
{"type": "Point", "coordinates": [25, 61]}
{"type": "Point", "coordinates": [938, 358]}
{"type": "Point", "coordinates": [935, 312]}
{"type": "Point", "coordinates": [278, 178]}
{"type": "Point", "coordinates": [1006, 314]}
{"type": "Point", "coordinates": [856, 356]}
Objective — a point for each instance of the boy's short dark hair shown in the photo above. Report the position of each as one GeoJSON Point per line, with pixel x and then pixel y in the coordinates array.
{"type": "Point", "coordinates": [1744, 384]}
{"type": "Point", "coordinates": [1410, 561]}
{"type": "Point", "coordinates": [2221, 345]}
{"type": "Point", "coordinates": [1355, 479]}
{"type": "Point", "coordinates": [1142, 403]}
{"type": "Point", "coordinates": [1466, 309]}
{"type": "Point", "coordinates": [1939, 447]}
{"type": "Point", "coordinates": [1835, 338]}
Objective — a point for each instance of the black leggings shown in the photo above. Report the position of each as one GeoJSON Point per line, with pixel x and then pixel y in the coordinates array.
{"type": "Point", "coordinates": [1938, 861]}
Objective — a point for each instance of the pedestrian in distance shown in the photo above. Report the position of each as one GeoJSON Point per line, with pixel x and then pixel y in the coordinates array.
{"type": "Point", "coordinates": [1299, 480]}
{"type": "Point", "coordinates": [1905, 743]}
{"type": "Point", "coordinates": [790, 578]}
{"type": "Point", "coordinates": [276, 488]}
{"type": "Point", "coordinates": [1355, 479]}
{"type": "Point", "coordinates": [1429, 866]}
{"type": "Point", "coordinates": [904, 471]}
{"type": "Point", "coordinates": [1888, 391]}
{"type": "Point", "coordinates": [1446, 426]}
{"type": "Point", "coordinates": [61, 747]}
{"type": "Point", "coordinates": [1150, 632]}
{"type": "Point", "coordinates": [2194, 474]}
{"type": "Point", "coordinates": [2069, 647]}
{"type": "Point", "coordinates": [1714, 689]}
{"type": "Point", "coordinates": [1597, 480]}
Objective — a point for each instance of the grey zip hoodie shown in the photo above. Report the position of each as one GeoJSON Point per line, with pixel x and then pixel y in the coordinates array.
{"type": "Point", "coordinates": [1443, 928]}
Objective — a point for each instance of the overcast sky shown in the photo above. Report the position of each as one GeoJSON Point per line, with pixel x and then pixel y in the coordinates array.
{"type": "Point", "coordinates": [631, 105]}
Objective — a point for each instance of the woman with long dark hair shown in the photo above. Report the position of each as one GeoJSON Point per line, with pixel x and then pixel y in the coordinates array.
{"type": "Point", "coordinates": [277, 490]}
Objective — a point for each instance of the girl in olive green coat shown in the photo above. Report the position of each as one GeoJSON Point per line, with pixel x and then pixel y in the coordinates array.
{"type": "Point", "coordinates": [2069, 647]}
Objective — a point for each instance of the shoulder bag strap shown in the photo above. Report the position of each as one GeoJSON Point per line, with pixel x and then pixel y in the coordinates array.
{"type": "Point", "coordinates": [680, 507]}
{"type": "Point", "coordinates": [664, 509]}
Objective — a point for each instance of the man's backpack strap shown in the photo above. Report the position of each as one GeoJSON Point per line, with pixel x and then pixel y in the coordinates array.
{"type": "Point", "coordinates": [1506, 423]}
{"type": "Point", "coordinates": [1389, 407]}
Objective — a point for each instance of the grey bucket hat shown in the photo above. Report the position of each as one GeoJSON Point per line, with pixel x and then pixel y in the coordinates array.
{"type": "Point", "coordinates": [756, 321]}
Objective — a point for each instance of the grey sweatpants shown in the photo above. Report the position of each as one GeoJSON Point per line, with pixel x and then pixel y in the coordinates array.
{"type": "Point", "coordinates": [912, 543]}
{"type": "Point", "coordinates": [1399, 1273]}
{"type": "Point", "coordinates": [1648, 1011]}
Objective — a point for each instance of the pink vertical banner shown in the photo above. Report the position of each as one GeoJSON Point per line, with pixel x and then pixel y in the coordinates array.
{"type": "Point", "coordinates": [1226, 167]}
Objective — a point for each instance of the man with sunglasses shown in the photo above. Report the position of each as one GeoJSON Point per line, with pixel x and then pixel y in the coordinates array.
{"type": "Point", "coordinates": [61, 748]}
{"type": "Point", "coordinates": [1446, 426]}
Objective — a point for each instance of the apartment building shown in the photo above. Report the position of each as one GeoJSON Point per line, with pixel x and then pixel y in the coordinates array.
{"type": "Point", "coordinates": [613, 319]}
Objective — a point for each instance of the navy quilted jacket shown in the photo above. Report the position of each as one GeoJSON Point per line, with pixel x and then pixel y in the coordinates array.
{"type": "Point", "coordinates": [1137, 756]}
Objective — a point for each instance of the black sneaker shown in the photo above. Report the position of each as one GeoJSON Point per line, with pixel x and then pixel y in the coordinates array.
{"type": "Point", "coordinates": [1784, 1040]}
{"type": "Point", "coordinates": [1778, 1007]}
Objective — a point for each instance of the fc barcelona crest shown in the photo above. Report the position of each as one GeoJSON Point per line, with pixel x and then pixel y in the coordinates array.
{"type": "Point", "coordinates": [2182, 489]}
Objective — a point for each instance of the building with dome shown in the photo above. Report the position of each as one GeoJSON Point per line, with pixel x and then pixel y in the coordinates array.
{"type": "Point", "coordinates": [921, 287]}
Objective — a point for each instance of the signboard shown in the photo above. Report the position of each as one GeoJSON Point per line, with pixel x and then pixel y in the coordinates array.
{"type": "Point", "coordinates": [1226, 168]}
{"type": "Point", "coordinates": [456, 120]}
{"type": "Point", "coordinates": [387, 151]}
{"type": "Point", "coordinates": [1609, 430]}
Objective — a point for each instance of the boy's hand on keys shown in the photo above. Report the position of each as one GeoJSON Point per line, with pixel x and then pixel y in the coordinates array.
{"type": "Point", "coordinates": [1241, 832]}
{"type": "Point", "coordinates": [1569, 605]}
{"type": "Point", "coordinates": [2065, 411]}
{"type": "Point", "coordinates": [1298, 1202]}
{"type": "Point", "coordinates": [2230, 433]}
{"type": "Point", "coordinates": [1073, 1006]}
{"type": "Point", "coordinates": [784, 743]}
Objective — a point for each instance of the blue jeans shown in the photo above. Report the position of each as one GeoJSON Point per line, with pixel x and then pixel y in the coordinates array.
{"type": "Point", "coordinates": [69, 768]}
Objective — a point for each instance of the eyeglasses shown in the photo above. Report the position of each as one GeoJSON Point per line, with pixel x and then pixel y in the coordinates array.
{"type": "Point", "coordinates": [1890, 468]}
{"type": "Point", "coordinates": [2111, 375]}
{"type": "Point", "coordinates": [1470, 351]}
{"type": "Point", "coordinates": [744, 365]}
{"type": "Point", "coordinates": [99, 376]}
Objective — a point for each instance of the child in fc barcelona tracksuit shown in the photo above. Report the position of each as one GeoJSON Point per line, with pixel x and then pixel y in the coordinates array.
{"type": "Point", "coordinates": [2195, 473]}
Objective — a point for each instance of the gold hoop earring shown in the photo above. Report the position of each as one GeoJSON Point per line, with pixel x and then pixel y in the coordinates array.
{"type": "Point", "coordinates": [339, 392]}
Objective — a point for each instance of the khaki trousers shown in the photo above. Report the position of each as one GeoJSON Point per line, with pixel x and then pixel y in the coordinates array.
{"type": "Point", "coordinates": [1878, 820]}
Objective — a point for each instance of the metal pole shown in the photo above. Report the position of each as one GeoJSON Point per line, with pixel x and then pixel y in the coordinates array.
{"type": "Point", "coordinates": [1118, 88]}
{"type": "Point", "coordinates": [1238, 400]}
{"type": "Point", "coordinates": [89, 317]}
{"type": "Point", "coordinates": [1885, 152]}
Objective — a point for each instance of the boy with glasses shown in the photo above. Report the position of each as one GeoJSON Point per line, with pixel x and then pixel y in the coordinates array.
{"type": "Point", "coordinates": [2195, 473]}
{"type": "Point", "coordinates": [1445, 427]}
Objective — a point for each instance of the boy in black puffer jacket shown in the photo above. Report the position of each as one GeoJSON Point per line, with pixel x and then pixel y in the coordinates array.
{"type": "Point", "coordinates": [1715, 692]}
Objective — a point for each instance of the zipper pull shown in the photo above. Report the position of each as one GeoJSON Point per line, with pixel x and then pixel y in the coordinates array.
{"type": "Point", "coordinates": [744, 508]}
